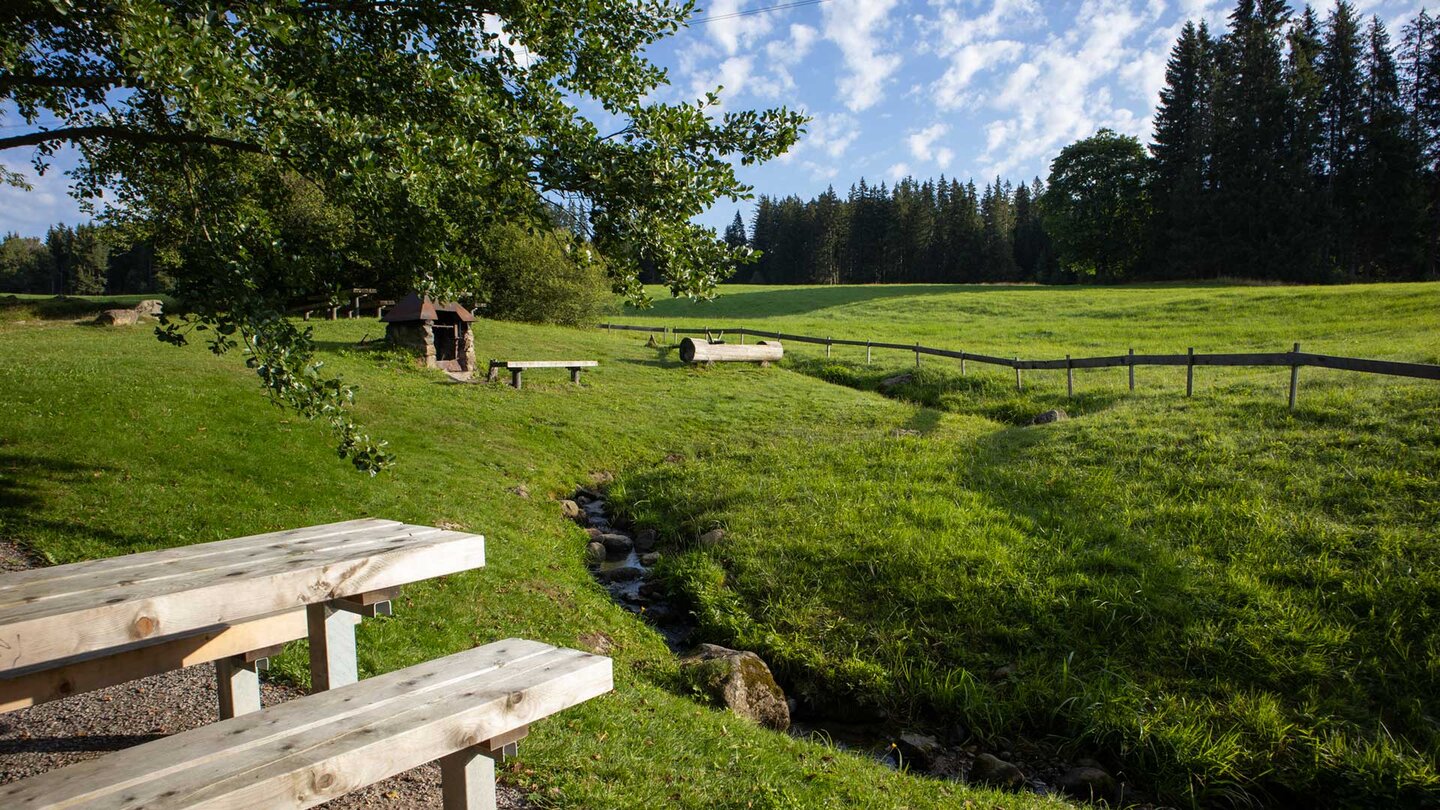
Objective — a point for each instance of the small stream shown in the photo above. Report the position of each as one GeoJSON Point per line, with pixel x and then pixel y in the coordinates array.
{"type": "Point", "coordinates": [623, 560]}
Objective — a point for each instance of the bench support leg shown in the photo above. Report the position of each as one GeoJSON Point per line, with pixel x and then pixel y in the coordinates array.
{"type": "Point", "coordinates": [238, 683]}
{"type": "Point", "coordinates": [467, 779]}
{"type": "Point", "coordinates": [575, 376]}
{"type": "Point", "coordinates": [515, 378]}
{"type": "Point", "coordinates": [332, 646]}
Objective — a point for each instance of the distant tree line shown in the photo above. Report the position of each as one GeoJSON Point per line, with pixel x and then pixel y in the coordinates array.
{"type": "Point", "coordinates": [83, 260]}
{"type": "Point", "coordinates": [1288, 148]}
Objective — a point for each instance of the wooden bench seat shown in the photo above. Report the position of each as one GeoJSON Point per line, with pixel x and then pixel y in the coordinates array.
{"type": "Point", "coordinates": [464, 710]}
{"type": "Point", "coordinates": [517, 367]}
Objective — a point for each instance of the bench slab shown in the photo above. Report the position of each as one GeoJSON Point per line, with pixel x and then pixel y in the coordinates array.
{"type": "Point", "coordinates": [49, 616]}
{"type": "Point", "coordinates": [307, 751]}
{"type": "Point", "coordinates": [514, 364]}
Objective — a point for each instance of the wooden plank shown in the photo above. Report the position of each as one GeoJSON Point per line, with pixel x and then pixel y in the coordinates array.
{"type": "Point", "coordinates": [75, 584]}
{"type": "Point", "coordinates": [124, 566]}
{"type": "Point", "coordinates": [28, 688]}
{"type": "Point", "coordinates": [304, 752]}
{"type": "Point", "coordinates": [81, 623]}
{"type": "Point", "coordinates": [514, 364]}
{"type": "Point", "coordinates": [1421, 371]}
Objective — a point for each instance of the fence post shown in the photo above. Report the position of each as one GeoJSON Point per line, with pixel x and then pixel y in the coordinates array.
{"type": "Point", "coordinates": [1069, 378]}
{"type": "Point", "coordinates": [867, 352]}
{"type": "Point", "coordinates": [962, 364]}
{"type": "Point", "coordinates": [827, 347]}
{"type": "Point", "coordinates": [1131, 364]}
{"type": "Point", "coordinates": [1019, 386]}
{"type": "Point", "coordinates": [1294, 376]}
{"type": "Point", "coordinates": [917, 354]}
{"type": "Point", "coordinates": [742, 337]}
{"type": "Point", "coordinates": [1190, 373]}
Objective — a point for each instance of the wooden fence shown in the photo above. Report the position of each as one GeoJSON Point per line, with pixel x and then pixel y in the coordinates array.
{"type": "Point", "coordinates": [1294, 358]}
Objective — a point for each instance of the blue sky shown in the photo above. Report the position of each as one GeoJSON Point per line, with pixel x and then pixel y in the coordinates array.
{"type": "Point", "coordinates": [970, 88]}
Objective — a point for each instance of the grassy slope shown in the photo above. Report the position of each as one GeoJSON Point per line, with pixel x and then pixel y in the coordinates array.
{"type": "Point", "coordinates": [112, 443]}
{"type": "Point", "coordinates": [1215, 593]}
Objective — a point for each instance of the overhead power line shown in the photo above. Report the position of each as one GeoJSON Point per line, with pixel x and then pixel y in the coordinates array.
{"type": "Point", "coordinates": [750, 12]}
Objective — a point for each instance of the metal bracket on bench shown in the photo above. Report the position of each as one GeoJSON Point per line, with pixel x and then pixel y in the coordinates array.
{"type": "Point", "coordinates": [506, 745]}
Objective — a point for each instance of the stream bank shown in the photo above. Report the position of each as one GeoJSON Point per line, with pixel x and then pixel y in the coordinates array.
{"type": "Point", "coordinates": [623, 559]}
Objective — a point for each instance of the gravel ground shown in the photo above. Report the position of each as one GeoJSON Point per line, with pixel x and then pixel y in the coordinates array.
{"type": "Point", "coordinates": [86, 726]}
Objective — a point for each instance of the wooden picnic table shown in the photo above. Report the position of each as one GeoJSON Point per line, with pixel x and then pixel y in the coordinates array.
{"type": "Point", "coordinates": [72, 628]}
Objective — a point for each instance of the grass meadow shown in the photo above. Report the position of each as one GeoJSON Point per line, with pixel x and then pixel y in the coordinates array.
{"type": "Point", "coordinates": [1223, 601]}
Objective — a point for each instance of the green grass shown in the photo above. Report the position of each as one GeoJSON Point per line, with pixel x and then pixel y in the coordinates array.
{"type": "Point", "coordinates": [113, 443]}
{"type": "Point", "coordinates": [1223, 599]}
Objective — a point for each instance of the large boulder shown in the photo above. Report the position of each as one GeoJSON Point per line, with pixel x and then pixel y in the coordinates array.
{"type": "Point", "coordinates": [740, 681]}
{"type": "Point", "coordinates": [117, 317]}
{"type": "Point", "coordinates": [896, 381]}
{"type": "Point", "coordinates": [150, 307]}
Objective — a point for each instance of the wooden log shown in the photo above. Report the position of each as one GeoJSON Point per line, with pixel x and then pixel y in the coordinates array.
{"type": "Point", "coordinates": [699, 351]}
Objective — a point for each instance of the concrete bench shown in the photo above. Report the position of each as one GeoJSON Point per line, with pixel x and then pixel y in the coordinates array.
{"type": "Point", "coordinates": [73, 628]}
{"type": "Point", "coordinates": [517, 367]}
{"type": "Point", "coordinates": [465, 710]}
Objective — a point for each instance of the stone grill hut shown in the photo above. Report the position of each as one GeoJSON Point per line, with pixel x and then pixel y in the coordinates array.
{"type": "Point", "coordinates": [439, 334]}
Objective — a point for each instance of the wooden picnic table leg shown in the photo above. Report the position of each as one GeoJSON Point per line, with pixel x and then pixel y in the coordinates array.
{"type": "Point", "coordinates": [515, 378]}
{"type": "Point", "coordinates": [332, 646]}
{"type": "Point", "coordinates": [237, 681]}
{"type": "Point", "coordinates": [575, 375]}
{"type": "Point", "coordinates": [467, 779]}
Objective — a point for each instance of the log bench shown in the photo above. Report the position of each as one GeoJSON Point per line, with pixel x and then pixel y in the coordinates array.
{"type": "Point", "coordinates": [465, 710]}
{"type": "Point", "coordinates": [73, 628]}
{"type": "Point", "coordinates": [517, 367]}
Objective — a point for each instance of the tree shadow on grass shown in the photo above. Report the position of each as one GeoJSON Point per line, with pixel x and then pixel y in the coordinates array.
{"type": "Point", "coordinates": [30, 482]}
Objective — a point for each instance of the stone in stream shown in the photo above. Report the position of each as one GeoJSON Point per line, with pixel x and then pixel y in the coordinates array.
{"type": "Point", "coordinates": [712, 538]}
{"type": "Point", "coordinates": [919, 751]}
{"type": "Point", "coordinates": [595, 552]}
{"type": "Point", "coordinates": [1056, 415]}
{"type": "Point", "coordinates": [996, 772]}
{"type": "Point", "coordinates": [650, 558]}
{"type": "Point", "coordinates": [645, 539]}
{"type": "Point", "coordinates": [653, 590]}
{"type": "Point", "coordinates": [624, 574]}
{"type": "Point", "coordinates": [593, 533]}
{"type": "Point", "coordinates": [570, 509]}
{"type": "Point", "coordinates": [617, 543]}
{"type": "Point", "coordinates": [1087, 783]}
{"type": "Point", "coordinates": [740, 681]}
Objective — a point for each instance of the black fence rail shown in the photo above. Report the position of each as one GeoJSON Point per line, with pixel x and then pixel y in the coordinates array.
{"type": "Point", "coordinates": [1294, 359]}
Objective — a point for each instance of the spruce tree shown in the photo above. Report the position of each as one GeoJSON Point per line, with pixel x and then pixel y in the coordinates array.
{"type": "Point", "coordinates": [1181, 149]}
{"type": "Point", "coordinates": [1388, 196]}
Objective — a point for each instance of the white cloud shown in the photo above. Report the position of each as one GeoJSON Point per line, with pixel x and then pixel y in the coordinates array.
{"type": "Point", "coordinates": [857, 27]}
{"type": "Point", "coordinates": [732, 33]}
{"type": "Point", "coordinates": [950, 91]}
{"type": "Point", "coordinates": [922, 145]}
{"type": "Point", "coordinates": [31, 213]}
{"type": "Point", "coordinates": [898, 171]}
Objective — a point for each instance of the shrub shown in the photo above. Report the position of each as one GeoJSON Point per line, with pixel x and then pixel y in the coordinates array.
{"type": "Point", "coordinates": [542, 277]}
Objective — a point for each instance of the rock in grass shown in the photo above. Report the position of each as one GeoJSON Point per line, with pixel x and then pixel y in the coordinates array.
{"type": "Point", "coordinates": [150, 307]}
{"type": "Point", "coordinates": [595, 552]}
{"type": "Point", "coordinates": [570, 509]}
{"type": "Point", "coordinates": [117, 317]}
{"type": "Point", "coordinates": [739, 681]}
{"type": "Point", "coordinates": [712, 538]}
{"type": "Point", "coordinates": [1088, 783]}
{"type": "Point", "coordinates": [995, 772]}
{"type": "Point", "coordinates": [897, 380]}
{"type": "Point", "coordinates": [1055, 415]}
{"type": "Point", "coordinates": [645, 539]}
